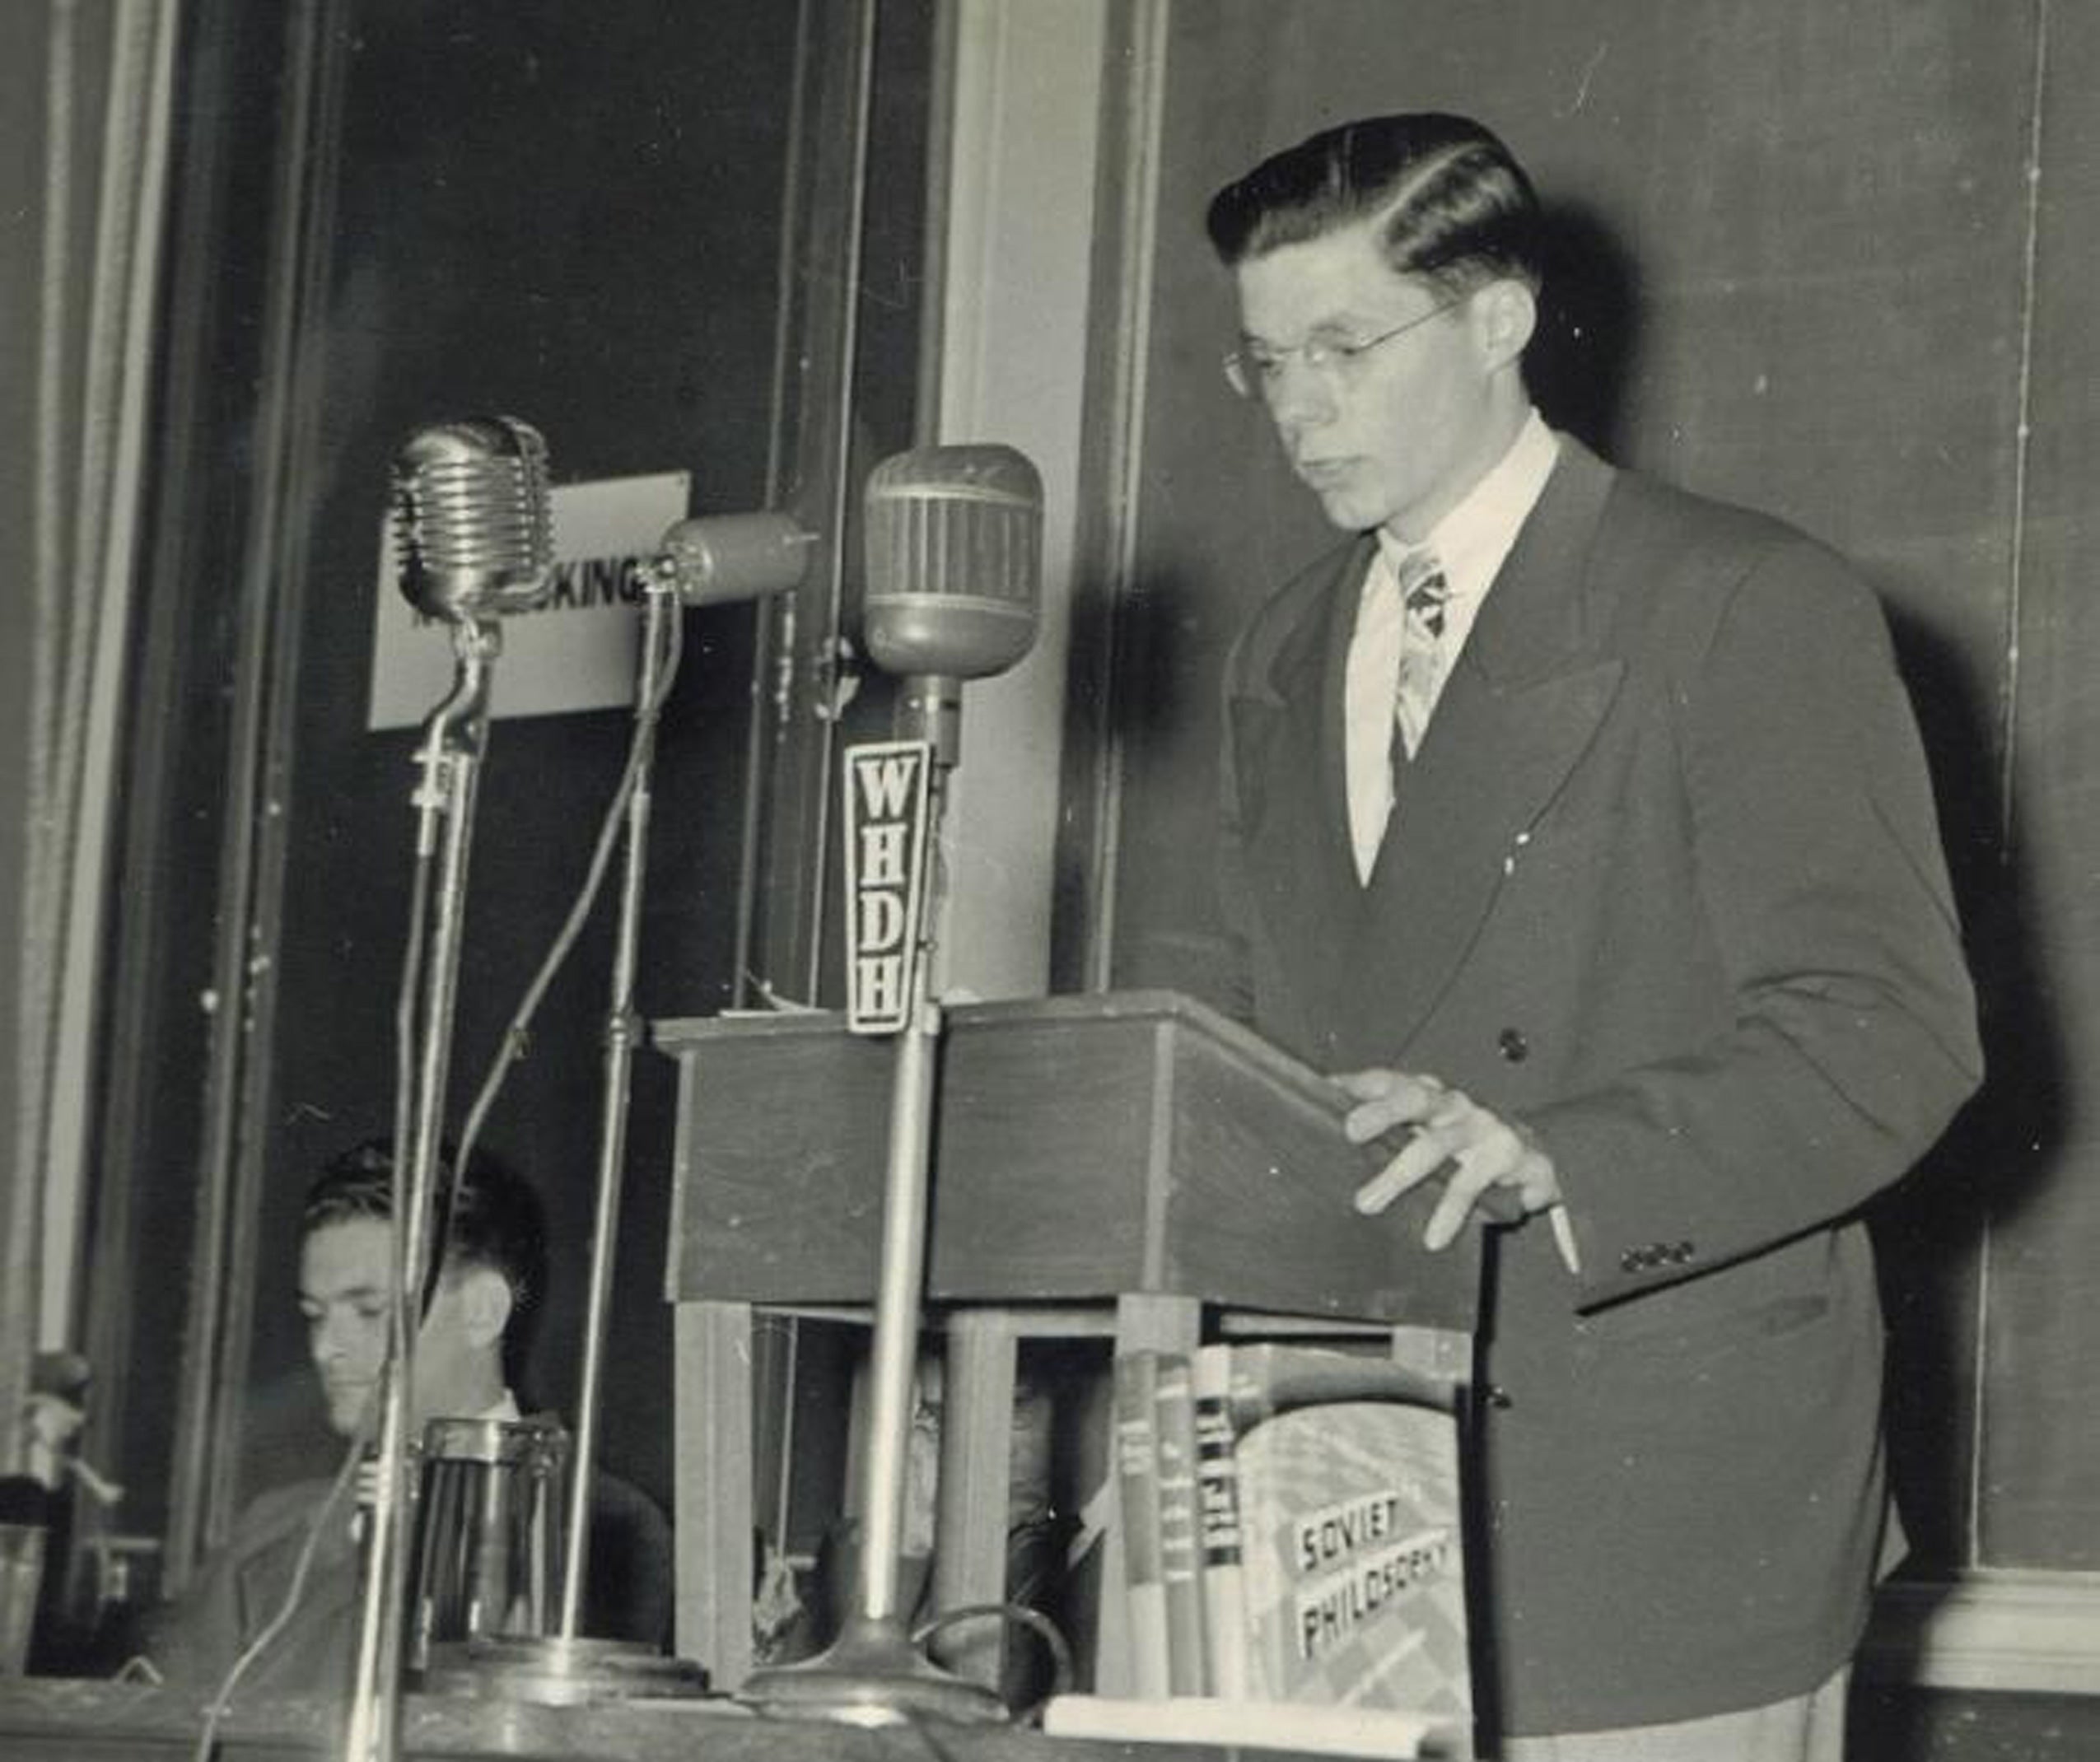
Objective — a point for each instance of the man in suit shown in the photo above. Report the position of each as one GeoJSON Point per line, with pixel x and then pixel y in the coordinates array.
{"type": "Point", "coordinates": [1581, 826]}
{"type": "Point", "coordinates": [494, 1269]}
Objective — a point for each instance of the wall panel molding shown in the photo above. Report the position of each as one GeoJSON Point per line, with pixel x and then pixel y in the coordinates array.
{"type": "Point", "coordinates": [1021, 193]}
{"type": "Point", "coordinates": [1127, 206]}
{"type": "Point", "coordinates": [2027, 1633]}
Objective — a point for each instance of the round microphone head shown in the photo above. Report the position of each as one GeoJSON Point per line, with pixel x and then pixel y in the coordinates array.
{"type": "Point", "coordinates": [473, 518]}
{"type": "Point", "coordinates": [954, 556]}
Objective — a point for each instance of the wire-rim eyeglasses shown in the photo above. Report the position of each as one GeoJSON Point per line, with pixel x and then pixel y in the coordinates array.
{"type": "Point", "coordinates": [1251, 371]}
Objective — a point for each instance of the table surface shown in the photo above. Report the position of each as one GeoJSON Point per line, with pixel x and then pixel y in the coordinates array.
{"type": "Point", "coordinates": [63, 1720]}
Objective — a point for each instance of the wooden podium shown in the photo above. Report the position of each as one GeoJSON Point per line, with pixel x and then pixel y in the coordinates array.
{"type": "Point", "coordinates": [1115, 1164]}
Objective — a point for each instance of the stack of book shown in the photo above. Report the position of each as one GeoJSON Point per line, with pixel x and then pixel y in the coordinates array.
{"type": "Point", "coordinates": [1290, 1527]}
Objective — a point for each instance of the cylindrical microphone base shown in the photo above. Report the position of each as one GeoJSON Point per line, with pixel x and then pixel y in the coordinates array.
{"type": "Point", "coordinates": [552, 1671]}
{"type": "Point", "coordinates": [871, 1675]}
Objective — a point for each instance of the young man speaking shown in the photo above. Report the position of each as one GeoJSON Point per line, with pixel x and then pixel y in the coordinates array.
{"type": "Point", "coordinates": [1581, 826]}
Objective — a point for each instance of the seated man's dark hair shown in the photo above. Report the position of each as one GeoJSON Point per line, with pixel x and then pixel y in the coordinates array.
{"type": "Point", "coordinates": [495, 1218]}
{"type": "Point", "coordinates": [1451, 204]}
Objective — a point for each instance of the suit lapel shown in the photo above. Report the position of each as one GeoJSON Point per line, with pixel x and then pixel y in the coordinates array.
{"type": "Point", "coordinates": [1521, 707]}
{"type": "Point", "coordinates": [1289, 771]}
{"type": "Point", "coordinates": [1522, 704]}
{"type": "Point", "coordinates": [1338, 850]}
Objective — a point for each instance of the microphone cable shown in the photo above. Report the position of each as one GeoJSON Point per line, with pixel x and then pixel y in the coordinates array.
{"type": "Point", "coordinates": [407, 1036]}
{"type": "Point", "coordinates": [329, 1511]}
{"type": "Point", "coordinates": [346, 1474]}
{"type": "Point", "coordinates": [513, 1044]}
{"type": "Point", "coordinates": [647, 717]}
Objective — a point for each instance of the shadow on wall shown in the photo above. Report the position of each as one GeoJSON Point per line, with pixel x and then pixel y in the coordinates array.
{"type": "Point", "coordinates": [1580, 362]}
{"type": "Point", "coordinates": [1929, 1230]}
{"type": "Point", "coordinates": [1168, 641]}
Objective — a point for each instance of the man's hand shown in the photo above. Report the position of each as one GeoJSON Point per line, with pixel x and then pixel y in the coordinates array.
{"type": "Point", "coordinates": [1494, 1165]}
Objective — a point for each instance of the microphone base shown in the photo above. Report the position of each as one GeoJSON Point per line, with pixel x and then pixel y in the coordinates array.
{"type": "Point", "coordinates": [871, 1675]}
{"type": "Point", "coordinates": [551, 1671]}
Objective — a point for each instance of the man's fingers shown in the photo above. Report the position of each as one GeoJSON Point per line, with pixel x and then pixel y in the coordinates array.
{"type": "Point", "coordinates": [1425, 1152]}
{"type": "Point", "coordinates": [1384, 1187]}
{"type": "Point", "coordinates": [1386, 1099]}
{"type": "Point", "coordinates": [1481, 1170]}
{"type": "Point", "coordinates": [1501, 1178]}
{"type": "Point", "coordinates": [1469, 1184]}
{"type": "Point", "coordinates": [1485, 1164]}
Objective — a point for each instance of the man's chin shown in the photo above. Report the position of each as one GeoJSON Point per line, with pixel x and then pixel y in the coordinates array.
{"type": "Point", "coordinates": [1348, 507]}
{"type": "Point", "coordinates": [346, 1412]}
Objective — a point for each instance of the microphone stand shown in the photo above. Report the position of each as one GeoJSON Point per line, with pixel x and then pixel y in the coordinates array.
{"type": "Point", "coordinates": [659, 636]}
{"type": "Point", "coordinates": [567, 1667]}
{"type": "Point", "coordinates": [454, 739]}
{"type": "Point", "coordinates": [872, 1674]}
{"type": "Point", "coordinates": [710, 561]}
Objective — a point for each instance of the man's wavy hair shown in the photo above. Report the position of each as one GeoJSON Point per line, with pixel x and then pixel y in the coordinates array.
{"type": "Point", "coordinates": [496, 1219]}
{"type": "Point", "coordinates": [1450, 204]}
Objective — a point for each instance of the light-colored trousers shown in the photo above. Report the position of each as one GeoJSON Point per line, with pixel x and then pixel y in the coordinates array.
{"type": "Point", "coordinates": [1808, 1728]}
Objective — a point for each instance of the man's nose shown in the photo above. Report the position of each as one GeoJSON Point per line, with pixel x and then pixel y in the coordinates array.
{"type": "Point", "coordinates": [1299, 395]}
{"type": "Point", "coordinates": [328, 1340]}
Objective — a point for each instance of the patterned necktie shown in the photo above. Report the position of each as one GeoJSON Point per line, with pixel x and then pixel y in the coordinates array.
{"type": "Point", "coordinates": [1423, 592]}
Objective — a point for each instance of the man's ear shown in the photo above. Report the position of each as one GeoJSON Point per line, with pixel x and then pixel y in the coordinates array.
{"type": "Point", "coordinates": [1505, 315]}
{"type": "Point", "coordinates": [485, 1304]}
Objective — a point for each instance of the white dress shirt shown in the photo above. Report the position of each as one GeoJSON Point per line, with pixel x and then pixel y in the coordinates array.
{"type": "Point", "coordinates": [1470, 542]}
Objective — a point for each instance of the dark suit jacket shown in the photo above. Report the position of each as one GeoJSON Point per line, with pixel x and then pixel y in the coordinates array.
{"type": "Point", "coordinates": [1666, 884]}
{"type": "Point", "coordinates": [242, 1586]}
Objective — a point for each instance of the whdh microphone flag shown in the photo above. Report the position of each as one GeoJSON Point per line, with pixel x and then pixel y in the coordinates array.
{"type": "Point", "coordinates": [888, 786]}
{"type": "Point", "coordinates": [473, 519]}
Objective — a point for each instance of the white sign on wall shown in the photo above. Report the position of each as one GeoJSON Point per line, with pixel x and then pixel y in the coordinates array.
{"type": "Point", "coordinates": [576, 652]}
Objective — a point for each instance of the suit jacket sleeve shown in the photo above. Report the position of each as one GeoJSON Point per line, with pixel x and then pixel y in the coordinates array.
{"type": "Point", "coordinates": [1820, 870]}
{"type": "Point", "coordinates": [244, 1586]}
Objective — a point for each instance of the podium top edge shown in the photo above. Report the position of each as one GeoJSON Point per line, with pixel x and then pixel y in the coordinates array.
{"type": "Point", "coordinates": [672, 1030]}
{"type": "Point", "coordinates": [675, 1035]}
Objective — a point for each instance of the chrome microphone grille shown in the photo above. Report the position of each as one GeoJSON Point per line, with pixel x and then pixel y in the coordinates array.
{"type": "Point", "coordinates": [473, 518]}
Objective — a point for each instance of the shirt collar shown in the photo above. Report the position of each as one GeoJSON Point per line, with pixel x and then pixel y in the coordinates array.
{"type": "Point", "coordinates": [1473, 539]}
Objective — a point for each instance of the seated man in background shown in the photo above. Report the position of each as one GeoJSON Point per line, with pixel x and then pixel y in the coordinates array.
{"type": "Point", "coordinates": [494, 1269]}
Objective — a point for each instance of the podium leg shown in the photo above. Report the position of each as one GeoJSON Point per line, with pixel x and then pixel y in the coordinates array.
{"type": "Point", "coordinates": [712, 1418]}
{"type": "Point", "coordinates": [977, 1442]}
{"type": "Point", "coordinates": [1146, 1319]}
{"type": "Point", "coordinates": [1443, 1352]}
